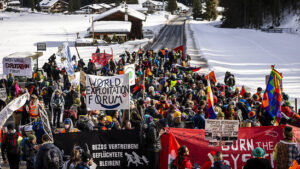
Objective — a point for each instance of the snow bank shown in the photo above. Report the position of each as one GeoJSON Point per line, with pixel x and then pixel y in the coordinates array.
{"type": "Point", "coordinates": [248, 54]}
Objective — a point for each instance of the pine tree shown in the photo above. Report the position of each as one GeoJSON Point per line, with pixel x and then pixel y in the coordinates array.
{"type": "Point", "coordinates": [71, 6]}
{"type": "Point", "coordinates": [32, 5]}
{"type": "Point", "coordinates": [211, 12]}
{"type": "Point", "coordinates": [197, 9]}
{"type": "Point", "coordinates": [172, 6]}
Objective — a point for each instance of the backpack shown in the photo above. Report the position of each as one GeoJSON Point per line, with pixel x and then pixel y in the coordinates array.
{"type": "Point", "coordinates": [12, 142]}
{"type": "Point", "coordinates": [22, 145]}
{"type": "Point", "coordinates": [52, 158]}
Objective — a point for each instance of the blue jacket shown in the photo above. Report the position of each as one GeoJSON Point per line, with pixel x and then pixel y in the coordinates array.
{"type": "Point", "coordinates": [219, 165]}
{"type": "Point", "coordinates": [199, 121]}
{"type": "Point", "coordinates": [82, 165]}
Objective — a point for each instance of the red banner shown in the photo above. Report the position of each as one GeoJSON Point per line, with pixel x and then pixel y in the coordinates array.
{"type": "Point", "coordinates": [237, 154]}
{"type": "Point", "coordinates": [101, 59]}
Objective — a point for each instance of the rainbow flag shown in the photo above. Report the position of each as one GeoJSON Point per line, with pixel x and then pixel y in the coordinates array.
{"type": "Point", "coordinates": [272, 98]}
{"type": "Point", "coordinates": [210, 102]}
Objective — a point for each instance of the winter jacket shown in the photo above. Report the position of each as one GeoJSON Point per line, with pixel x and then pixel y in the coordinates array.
{"type": "Point", "coordinates": [71, 96]}
{"type": "Point", "coordinates": [82, 165]}
{"type": "Point", "coordinates": [219, 165]}
{"type": "Point", "coordinates": [186, 163]}
{"type": "Point", "coordinates": [285, 152]}
{"type": "Point", "coordinates": [199, 121]}
{"type": "Point", "coordinates": [10, 146]}
{"type": "Point", "coordinates": [57, 101]}
{"type": "Point", "coordinates": [41, 157]}
{"type": "Point", "coordinates": [257, 163]}
{"type": "Point", "coordinates": [29, 153]}
{"type": "Point", "coordinates": [152, 111]}
{"type": "Point", "coordinates": [153, 138]}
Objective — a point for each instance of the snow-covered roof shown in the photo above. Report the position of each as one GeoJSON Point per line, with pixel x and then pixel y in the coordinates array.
{"type": "Point", "coordinates": [105, 5]}
{"type": "Point", "coordinates": [14, 3]}
{"type": "Point", "coordinates": [131, 12]}
{"type": "Point", "coordinates": [112, 26]}
{"type": "Point", "coordinates": [47, 3]}
{"type": "Point", "coordinates": [182, 6]}
{"type": "Point", "coordinates": [137, 7]}
{"type": "Point", "coordinates": [92, 6]}
{"type": "Point", "coordinates": [24, 54]}
{"type": "Point", "coordinates": [155, 2]}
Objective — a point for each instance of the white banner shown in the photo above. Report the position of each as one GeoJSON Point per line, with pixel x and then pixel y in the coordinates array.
{"type": "Point", "coordinates": [75, 79]}
{"type": "Point", "coordinates": [66, 58]}
{"type": "Point", "coordinates": [17, 66]}
{"type": "Point", "coordinates": [130, 69]}
{"type": "Point", "coordinates": [107, 92]}
{"type": "Point", "coordinates": [3, 94]}
{"type": "Point", "coordinates": [12, 106]}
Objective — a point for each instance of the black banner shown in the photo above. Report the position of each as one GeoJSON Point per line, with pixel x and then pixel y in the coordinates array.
{"type": "Point", "coordinates": [109, 149]}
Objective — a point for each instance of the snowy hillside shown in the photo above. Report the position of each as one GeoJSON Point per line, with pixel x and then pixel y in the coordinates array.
{"type": "Point", "coordinates": [20, 33]}
{"type": "Point", "coordinates": [248, 54]}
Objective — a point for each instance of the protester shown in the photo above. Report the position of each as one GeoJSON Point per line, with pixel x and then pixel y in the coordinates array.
{"type": "Point", "coordinates": [48, 156]}
{"type": "Point", "coordinates": [10, 147]}
{"type": "Point", "coordinates": [258, 161]}
{"type": "Point", "coordinates": [286, 151]}
{"type": "Point", "coordinates": [208, 164]}
{"type": "Point", "coordinates": [74, 160]}
{"type": "Point", "coordinates": [68, 127]}
{"type": "Point", "coordinates": [182, 161]}
{"type": "Point", "coordinates": [29, 150]}
{"type": "Point", "coordinates": [218, 162]}
{"type": "Point", "coordinates": [86, 162]}
{"type": "Point", "coordinates": [167, 92]}
{"type": "Point", "coordinates": [57, 103]}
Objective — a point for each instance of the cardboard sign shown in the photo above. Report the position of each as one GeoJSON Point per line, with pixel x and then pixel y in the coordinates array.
{"type": "Point", "coordinates": [217, 131]}
{"type": "Point", "coordinates": [107, 92]}
{"type": "Point", "coordinates": [3, 94]}
{"type": "Point", "coordinates": [17, 66]}
{"type": "Point", "coordinates": [130, 69]}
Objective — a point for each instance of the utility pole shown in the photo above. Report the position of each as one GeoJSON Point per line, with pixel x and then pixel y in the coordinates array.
{"type": "Point", "coordinates": [93, 28]}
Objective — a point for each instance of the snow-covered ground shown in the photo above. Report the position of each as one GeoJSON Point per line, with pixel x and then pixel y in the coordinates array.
{"type": "Point", "coordinates": [249, 54]}
{"type": "Point", "coordinates": [20, 32]}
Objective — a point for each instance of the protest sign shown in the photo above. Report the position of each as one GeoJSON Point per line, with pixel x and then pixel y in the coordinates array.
{"type": "Point", "coordinates": [130, 69]}
{"type": "Point", "coordinates": [75, 79]}
{"type": "Point", "coordinates": [12, 106]}
{"type": "Point", "coordinates": [65, 54]}
{"type": "Point", "coordinates": [221, 132]}
{"type": "Point", "coordinates": [101, 59]}
{"type": "Point", "coordinates": [234, 155]}
{"type": "Point", "coordinates": [17, 66]}
{"type": "Point", "coordinates": [107, 92]}
{"type": "Point", "coordinates": [3, 94]}
{"type": "Point", "coordinates": [110, 150]}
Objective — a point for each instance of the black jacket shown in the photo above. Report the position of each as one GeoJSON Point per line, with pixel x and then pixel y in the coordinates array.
{"type": "Point", "coordinates": [41, 156]}
{"type": "Point", "coordinates": [258, 164]}
{"type": "Point", "coordinates": [219, 165]}
{"type": "Point", "coordinates": [153, 139]}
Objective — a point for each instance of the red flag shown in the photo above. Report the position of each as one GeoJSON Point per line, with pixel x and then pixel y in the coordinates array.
{"type": "Point", "coordinates": [243, 91]}
{"type": "Point", "coordinates": [169, 150]}
{"type": "Point", "coordinates": [197, 69]}
{"type": "Point", "coordinates": [211, 76]}
{"type": "Point", "coordinates": [179, 48]}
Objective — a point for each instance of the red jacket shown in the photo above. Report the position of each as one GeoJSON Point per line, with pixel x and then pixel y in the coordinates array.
{"type": "Point", "coordinates": [186, 164]}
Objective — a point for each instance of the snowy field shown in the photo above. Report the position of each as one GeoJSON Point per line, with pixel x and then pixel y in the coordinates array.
{"type": "Point", "coordinates": [20, 32]}
{"type": "Point", "coordinates": [248, 54]}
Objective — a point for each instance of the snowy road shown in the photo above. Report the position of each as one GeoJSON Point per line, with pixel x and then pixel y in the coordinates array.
{"type": "Point", "coordinates": [171, 36]}
{"type": "Point", "coordinates": [248, 54]}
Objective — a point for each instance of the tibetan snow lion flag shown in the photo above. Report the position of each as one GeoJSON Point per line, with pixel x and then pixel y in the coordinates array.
{"type": "Point", "coordinates": [272, 97]}
{"type": "Point", "coordinates": [107, 92]}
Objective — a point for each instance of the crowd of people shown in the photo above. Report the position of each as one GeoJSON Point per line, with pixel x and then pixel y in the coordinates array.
{"type": "Point", "coordinates": [168, 93]}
